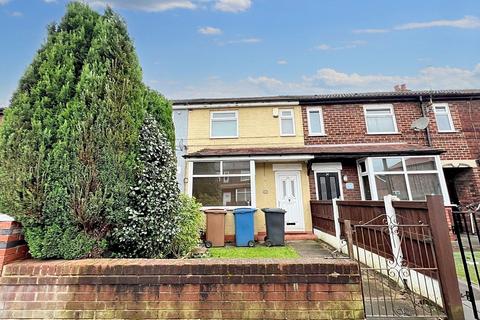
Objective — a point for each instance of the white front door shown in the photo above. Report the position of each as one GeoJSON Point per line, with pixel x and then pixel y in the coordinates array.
{"type": "Point", "coordinates": [289, 198]}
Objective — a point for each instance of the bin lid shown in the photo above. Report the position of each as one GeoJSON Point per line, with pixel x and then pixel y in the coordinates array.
{"type": "Point", "coordinates": [273, 210]}
{"type": "Point", "coordinates": [215, 211]}
{"type": "Point", "coordinates": [244, 210]}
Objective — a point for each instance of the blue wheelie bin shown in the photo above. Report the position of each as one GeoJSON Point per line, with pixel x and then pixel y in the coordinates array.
{"type": "Point", "coordinates": [244, 228]}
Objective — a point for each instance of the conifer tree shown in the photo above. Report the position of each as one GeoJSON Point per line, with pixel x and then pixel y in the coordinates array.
{"type": "Point", "coordinates": [68, 145]}
{"type": "Point", "coordinates": [151, 221]}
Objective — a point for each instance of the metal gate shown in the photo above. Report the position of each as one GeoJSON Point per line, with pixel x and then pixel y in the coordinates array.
{"type": "Point", "coordinates": [398, 267]}
{"type": "Point", "coordinates": [466, 229]}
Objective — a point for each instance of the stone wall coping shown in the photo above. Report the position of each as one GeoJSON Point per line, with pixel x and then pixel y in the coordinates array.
{"type": "Point", "coordinates": [179, 266]}
{"type": "Point", "coordinates": [5, 218]}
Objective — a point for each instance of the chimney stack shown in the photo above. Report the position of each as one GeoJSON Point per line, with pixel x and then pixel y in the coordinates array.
{"type": "Point", "coordinates": [400, 87]}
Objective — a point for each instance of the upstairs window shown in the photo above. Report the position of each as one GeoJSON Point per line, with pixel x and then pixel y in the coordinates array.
{"type": "Point", "coordinates": [287, 122]}
{"type": "Point", "coordinates": [380, 119]}
{"type": "Point", "coordinates": [443, 117]}
{"type": "Point", "coordinates": [315, 121]}
{"type": "Point", "coordinates": [224, 124]}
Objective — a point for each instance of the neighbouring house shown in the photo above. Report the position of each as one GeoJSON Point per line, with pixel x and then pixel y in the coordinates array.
{"type": "Point", "coordinates": [287, 150]}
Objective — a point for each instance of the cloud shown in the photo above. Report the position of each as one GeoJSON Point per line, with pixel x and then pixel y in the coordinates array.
{"type": "Point", "coordinates": [282, 61]}
{"type": "Point", "coordinates": [49, 1]}
{"type": "Point", "coordinates": [265, 81]}
{"type": "Point", "coordinates": [209, 31]}
{"type": "Point", "coordinates": [16, 14]}
{"type": "Point", "coordinates": [241, 41]}
{"type": "Point", "coordinates": [326, 80]}
{"type": "Point", "coordinates": [232, 5]}
{"type": "Point", "coordinates": [348, 45]}
{"type": "Point", "coordinates": [370, 31]}
{"type": "Point", "coordinates": [431, 77]}
{"type": "Point", "coordinates": [2, 2]}
{"type": "Point", "coordinates": [467, 22]}
{"type": "Point", "coordinates": [145, 5]}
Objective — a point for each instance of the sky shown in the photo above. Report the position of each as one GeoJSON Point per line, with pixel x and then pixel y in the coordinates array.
{"type": "Point", "coordinates": [236, 48]}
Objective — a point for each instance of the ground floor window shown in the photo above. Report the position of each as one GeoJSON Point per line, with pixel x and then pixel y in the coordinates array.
{"type": "Point", "coordinates": [223, 183]}
{"type": "Point", "coordinates": [408, 178]}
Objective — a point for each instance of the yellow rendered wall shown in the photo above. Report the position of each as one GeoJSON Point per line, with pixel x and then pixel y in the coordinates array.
{"type": "Point", "coordinates": [256, 128]}
{"type": "Point", "coordinates": [266, 197]}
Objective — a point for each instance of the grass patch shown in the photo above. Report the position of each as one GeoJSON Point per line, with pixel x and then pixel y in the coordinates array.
{"type": "Point", "coordinates": [255, 252]}
{"type": "Point", "coordinates": [471, 268]}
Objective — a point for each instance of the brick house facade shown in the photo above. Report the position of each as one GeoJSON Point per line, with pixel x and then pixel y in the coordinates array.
{"type": "Point", "coordinates": [344, 124]}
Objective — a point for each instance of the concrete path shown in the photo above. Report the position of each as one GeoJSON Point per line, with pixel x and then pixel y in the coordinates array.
{"type": "Point", "coordinates": [311, 248]}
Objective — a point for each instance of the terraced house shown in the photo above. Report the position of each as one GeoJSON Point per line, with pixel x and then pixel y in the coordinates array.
{"type": "Point", "coordinates": [287, 150]}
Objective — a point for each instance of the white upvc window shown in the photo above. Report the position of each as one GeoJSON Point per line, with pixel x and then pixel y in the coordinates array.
{"type": "Point", "coordinates": [408, 178]}
{"type": "Point", "coordinates": [380, 119]}
{"type": "Point", "coordinates": [223, 183]}
{"type": "Point", "coordinates": [287, 122]}
{"type": "Point", "coordinates": [315, 121]}
{"type": "Point", "coordinates": [224, 124]}
{"type": "Point", "coordinates": [443, 117]}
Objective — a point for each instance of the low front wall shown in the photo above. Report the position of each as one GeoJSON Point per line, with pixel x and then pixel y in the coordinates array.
{"type": "Point", "coordinates": [182, 289]}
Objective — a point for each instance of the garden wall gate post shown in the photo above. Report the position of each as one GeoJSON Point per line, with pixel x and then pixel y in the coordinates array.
{"type": "Point", "coordinates": [446, 268]}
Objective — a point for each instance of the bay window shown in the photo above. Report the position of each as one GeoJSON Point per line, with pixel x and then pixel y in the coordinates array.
{"type": "Point", "coordinates": [223, 183]}
{"type": "Point", "coordinates": [408, 178]}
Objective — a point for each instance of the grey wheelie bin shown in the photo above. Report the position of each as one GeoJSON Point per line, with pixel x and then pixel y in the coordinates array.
{"type": "Point", "coordinates": [275, 221]}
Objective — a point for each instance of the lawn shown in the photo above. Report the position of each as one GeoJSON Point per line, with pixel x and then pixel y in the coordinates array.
{"type": "Point", "coordinates": [256, 252]}
{"type": "Point", "coordinates": [471, 268]}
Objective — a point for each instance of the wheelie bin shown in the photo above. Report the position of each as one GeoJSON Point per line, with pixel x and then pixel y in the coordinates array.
{"type": "Point", "coordinates": [215, 233]}
{"type": "Point", "coordinates": [275, 221]}
{"type": "Point", "coordinates": [244, 227]}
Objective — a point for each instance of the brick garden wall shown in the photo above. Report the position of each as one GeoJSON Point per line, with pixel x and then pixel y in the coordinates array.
{"type": "Point", "coordinates": [182, 289]}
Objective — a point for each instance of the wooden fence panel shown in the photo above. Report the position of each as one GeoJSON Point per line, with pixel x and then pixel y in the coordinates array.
{"type": "Point", "coordinates": [322, 216]}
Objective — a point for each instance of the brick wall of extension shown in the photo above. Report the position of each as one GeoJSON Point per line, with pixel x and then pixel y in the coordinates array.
{"type": "Point", "coordinates": [345, 124]}
{"type": "Point", "coordinates": [182, 289]}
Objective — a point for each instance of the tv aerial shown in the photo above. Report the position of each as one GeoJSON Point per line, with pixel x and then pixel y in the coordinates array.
{"type": "Point", "coordinates": [420, 124]}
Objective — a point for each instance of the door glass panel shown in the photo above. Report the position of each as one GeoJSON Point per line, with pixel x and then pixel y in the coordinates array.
{"type": "Point", "coordinates": [366, 188]}
{"type": "Point", "coordinates": [323, 188]}
{"type": "Point", "coordinates": [333, 187]}
{"type": "Point", "coordinates": [284, 188]}
{"type": "Point", "coordinates": [292, 184]}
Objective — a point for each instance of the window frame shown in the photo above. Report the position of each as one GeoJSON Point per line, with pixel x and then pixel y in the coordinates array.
{"type": "Point", "coordinates": [251, 175]}
{"type": "Point", "coordinates": [322, 123]}
{"type": "Point", "coordinates": [370, 172]}
{"type": "Point", "coordinates": [448, 113]}
{"type": "Point", "coordinates": [367, 107]}
{"type": "Point", "coordinates": [223, 119]}
{"type": "Point", "coordinates": [292, 117]}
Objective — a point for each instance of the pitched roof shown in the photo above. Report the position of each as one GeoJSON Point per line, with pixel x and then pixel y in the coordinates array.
{"type": "Point", "coordinates": [341, 97]}
{"type": "Point", "coordinates": [323, 151]}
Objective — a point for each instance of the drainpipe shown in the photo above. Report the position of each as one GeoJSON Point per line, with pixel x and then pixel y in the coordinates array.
{"type": "Point", "coordinates": [424, 114]}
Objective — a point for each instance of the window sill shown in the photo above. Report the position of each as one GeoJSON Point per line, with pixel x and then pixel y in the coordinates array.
{"type": "Point", "coordinates": [448, 131]}
{"type": "Point", "coordinates": [288, 135]}
{"type": "Point", "coordinates": [317, 135]}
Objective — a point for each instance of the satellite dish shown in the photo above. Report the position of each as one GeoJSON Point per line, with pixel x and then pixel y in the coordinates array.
{"type": "Point", "coordinates": [420, 124]}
